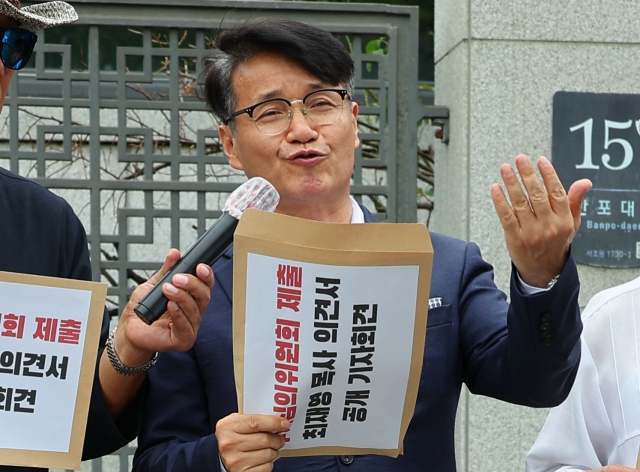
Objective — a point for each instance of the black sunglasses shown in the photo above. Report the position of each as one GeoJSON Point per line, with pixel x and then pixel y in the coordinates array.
{"type": "Point", "coordinates": [17, 47]}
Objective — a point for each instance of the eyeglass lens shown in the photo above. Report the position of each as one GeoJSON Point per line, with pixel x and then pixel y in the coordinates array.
{"type": "Point", "coordinates": [17, 47]}
{"type": "Point", "coordinates": [323, 107]}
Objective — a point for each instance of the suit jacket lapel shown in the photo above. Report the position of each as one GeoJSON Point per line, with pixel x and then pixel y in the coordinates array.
{"type": "Point", "coordinates": [368, 217]}
{"type": "Point", "coordinates": [224, 273]}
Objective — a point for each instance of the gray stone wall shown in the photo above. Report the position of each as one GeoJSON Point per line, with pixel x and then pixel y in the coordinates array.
{"type": "Point", "coordinates": [498, 65]}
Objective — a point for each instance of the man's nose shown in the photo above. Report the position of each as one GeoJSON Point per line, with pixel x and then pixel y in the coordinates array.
{"type": "Point", "coordinates": [301, 113]}
{"type": "Point", "coordinates": [301, 126]}
{"type": "Point", "coordinates": [297, 104]}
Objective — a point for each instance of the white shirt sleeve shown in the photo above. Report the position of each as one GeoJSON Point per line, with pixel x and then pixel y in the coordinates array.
{"type": "Point", "coordinates": [528, 290]}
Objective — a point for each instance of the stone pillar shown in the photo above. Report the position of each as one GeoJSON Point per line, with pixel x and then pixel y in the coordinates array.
{"type": "Point", "coordinates": [498, 65]}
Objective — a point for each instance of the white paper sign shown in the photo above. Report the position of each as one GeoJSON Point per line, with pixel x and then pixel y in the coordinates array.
{"type": "Point", "coordinates": [330, 348]}
{"type": "Point", "coordinates": [42, 338]}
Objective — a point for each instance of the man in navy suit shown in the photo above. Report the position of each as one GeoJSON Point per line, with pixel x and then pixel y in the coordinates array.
{"type": "Point", "coordinates": [284, 93]}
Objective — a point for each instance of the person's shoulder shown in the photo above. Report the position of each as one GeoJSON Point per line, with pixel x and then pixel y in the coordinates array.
{"type": "Point", "coordinates": [452, 248]}
{"type": "Point", "coordinates": [436, 238]}
{"type": "Point", "coordinates": [11, 178]}
{"type": "Point", "coordinates": [13, 181]}
{"type": "Point", "coordinates": [610, 295]}
{"type": "Point", "coordinates": [444, 240]}
{"type": "Point", "coordinates": [12, 184]}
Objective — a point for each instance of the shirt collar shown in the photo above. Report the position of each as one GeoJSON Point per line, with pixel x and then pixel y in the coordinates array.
{"type": "Point", "coordinates": [357, 215]}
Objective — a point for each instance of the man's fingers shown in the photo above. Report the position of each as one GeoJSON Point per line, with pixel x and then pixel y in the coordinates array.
{"type": "Point", "coordinates": [193, 293]}
{"type": "Point", "coordinates": [204, 273]}
{"type": "Point", "coordinates": [202, 286]}
{"type": "Point", "coordinates": [557, 196]}
{"type": "Point", "coordinates": [172, 257]}
{"type": "Point", "coordinates": [576, 194]}
{"type": "Point", "coordinates": [247, 424]}
{"type": "Point", "coordinates": [265, 442]}
{"type": "Point", "coordinates": [183, 309]}
{"type": "Point", "coordinates": [250, 424]}
{"type": "Point", "coordinates": [250, 442]}
{"type": "Point", "coordinates": [537, 195]}
{"type": "Point", "coordinates": [505, 213]}
{"type": "Point", "coordinates": [182, 327]}
{"type": "Point", "coordinates": [518, 199]}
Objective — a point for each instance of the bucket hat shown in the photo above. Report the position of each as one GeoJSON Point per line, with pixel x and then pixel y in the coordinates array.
{"type": "Point", "coordinates": [39, 16]}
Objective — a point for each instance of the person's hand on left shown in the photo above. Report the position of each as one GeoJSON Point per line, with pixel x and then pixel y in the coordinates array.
{"type": "Point", "coordinates": [177, 328]}
{"type": "Point", "coordinates": [136, 342]}
{"type": "Point", "coordinates": [541, 220]}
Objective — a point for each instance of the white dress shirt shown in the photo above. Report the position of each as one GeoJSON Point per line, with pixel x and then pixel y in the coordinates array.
{"type": "Point", "coordinates": [357, 215]}
{"type": "Point", "coordinates": [599, 423]}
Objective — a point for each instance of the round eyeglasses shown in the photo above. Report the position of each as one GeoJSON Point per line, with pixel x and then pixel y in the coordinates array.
{"type": "Point", "coordinates": [17, 46]}
{"type": "Point", "coordinates": [273, 116]}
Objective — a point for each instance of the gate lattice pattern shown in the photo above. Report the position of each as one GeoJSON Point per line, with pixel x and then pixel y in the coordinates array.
{"type": "Point", "coordinates": [109, 118]}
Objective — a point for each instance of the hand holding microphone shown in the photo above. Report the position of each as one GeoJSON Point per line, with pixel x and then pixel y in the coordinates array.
{"type": "Point", "coordinates": [255, 193]}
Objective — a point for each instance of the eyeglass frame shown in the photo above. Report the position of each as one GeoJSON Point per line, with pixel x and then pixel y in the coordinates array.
{"type": "Point", "coordinates": [249, 110]}
{"type": "Point", "coordinates": [25, 57]}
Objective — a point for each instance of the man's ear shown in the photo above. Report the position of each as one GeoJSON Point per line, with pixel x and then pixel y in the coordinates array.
{"type": "Point", "coordinates": [354, 112]}
{"type": "Point", "coordinates": [228, 141]}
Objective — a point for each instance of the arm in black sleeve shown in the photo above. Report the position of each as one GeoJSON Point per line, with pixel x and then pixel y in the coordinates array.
{"type": "Point", "coordinates": [102, 435]}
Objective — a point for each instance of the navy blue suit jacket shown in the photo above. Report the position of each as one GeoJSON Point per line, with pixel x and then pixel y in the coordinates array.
{"type": "Point", "coordinates": [525, 353]}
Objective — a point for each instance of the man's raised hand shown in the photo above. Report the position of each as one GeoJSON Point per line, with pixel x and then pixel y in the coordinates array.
{"type": "Point", "coordinates": [541, 220]}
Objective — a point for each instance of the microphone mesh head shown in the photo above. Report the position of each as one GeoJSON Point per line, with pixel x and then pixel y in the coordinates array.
{"type": "Point", "coordinates": [255, 193]}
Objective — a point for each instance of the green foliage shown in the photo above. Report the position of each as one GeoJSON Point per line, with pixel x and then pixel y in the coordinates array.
{"type": "Point", "coordinates": [377, 46]}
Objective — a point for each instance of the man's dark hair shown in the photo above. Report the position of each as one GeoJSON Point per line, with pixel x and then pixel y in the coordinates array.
{"type": "Point", "coordinates": [313, 49]}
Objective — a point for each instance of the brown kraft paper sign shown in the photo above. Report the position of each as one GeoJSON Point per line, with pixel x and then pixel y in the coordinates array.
{"type": "Point", "coordinates": [329, 328]}
{"type": "Point", "coordinates": [49, 334]}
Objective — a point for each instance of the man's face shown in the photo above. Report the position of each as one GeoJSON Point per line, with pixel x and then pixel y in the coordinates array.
{"type": "Point", "coordinates": [309, 164]}
{"type": "Point", "coordinates": [5, 73]}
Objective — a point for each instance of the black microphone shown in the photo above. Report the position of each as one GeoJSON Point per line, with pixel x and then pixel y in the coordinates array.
{"type": "Point", "coordinates": [255, 193]}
